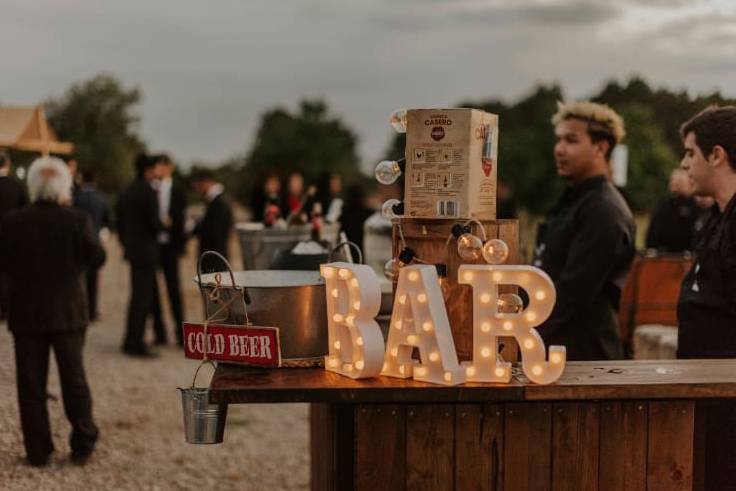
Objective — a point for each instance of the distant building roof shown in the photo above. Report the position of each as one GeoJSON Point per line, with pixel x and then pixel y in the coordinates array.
{"type": "Point", "coordinates": [26, 128]}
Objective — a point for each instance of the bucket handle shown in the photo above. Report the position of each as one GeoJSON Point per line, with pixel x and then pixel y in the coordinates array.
{"type": "Point", "coordinates": [240, 290]}
{"type": "Point", "coordinates": [346, 243]}
{"type": "Point", "coordinates": [201, 364]}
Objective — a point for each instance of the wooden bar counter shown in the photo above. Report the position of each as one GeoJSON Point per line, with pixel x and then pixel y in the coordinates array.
{"type": "Point", "coordinates": [628, 425]}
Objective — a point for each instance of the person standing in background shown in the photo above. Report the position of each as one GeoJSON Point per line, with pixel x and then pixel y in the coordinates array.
{"type": "Point", "coordinates": [587, 246]}
{"type": "Point", "coordinates": [329, 190]}
{"type": "Point", "coordinates": [92, 202]}
{"type": "Point", "coordinates": [265, 201]}
{"type": "Point", "coordinates": [172, 201]}
{"type": "Point", "coordinates": [45, 250]}
{"type": "Point", "coordinates": [138, 228]}
{"type": "Point", "coordinates": [672, 227]}
{"type": "Point", "coordinates": [213, 230]}
{"type": "Point", "coordinates": [12, 196]}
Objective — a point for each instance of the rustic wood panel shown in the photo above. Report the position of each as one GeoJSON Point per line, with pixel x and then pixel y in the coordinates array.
{"type": "Point", "coordinates": [623, 446]}
{"type": "Point", "coordinates": [639, 379]}
{"type": "Point", "coordinates": [380, 447]}
{"type": "Point", "coordinates": [527, 447]}
{"type": "Point", "coordinates": [234, 384]}
{"type": "Point", "coordinates": [430, 442]}
{"type": "Point", "coordinates": [670, 449]}
{"type": "Point", "coordinates": [479, 447]}
{"type": "Point", "coordinates": [331, 446]}
{"type": "Point", "coordinates": [575, 431]}
{"type": "Point", "coordinates": [428, 238]}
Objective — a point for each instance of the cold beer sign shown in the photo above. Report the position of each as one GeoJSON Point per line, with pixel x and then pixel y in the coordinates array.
{"type": "Point", "coordinates": [249, 345]}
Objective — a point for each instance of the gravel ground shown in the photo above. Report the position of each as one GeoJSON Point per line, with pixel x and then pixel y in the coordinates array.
{"type": "Point", "coordinates": [138, 410]}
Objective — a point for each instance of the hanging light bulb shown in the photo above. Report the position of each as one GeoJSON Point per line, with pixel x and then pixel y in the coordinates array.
{"type": "Point", "coordinates": [398, 120]}
{"type": "Point", "coordinates": [392, 266]}
{"type": "Point", "coordinates": [388, 171]}
{"type": "Point", "coordinates": [495, 251]}
{"type": "Point", "coordinates": [392, 208]}
{"type": "Point", "coordinates": [469, 247]}
{"type": "Point", "coordinates": [510, 303]}
{"type": "Point", "coordinates": [389, 269]}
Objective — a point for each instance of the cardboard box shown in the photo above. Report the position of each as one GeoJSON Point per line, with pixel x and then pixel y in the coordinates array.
{"type": "Point", "coordinates": [451, 157]}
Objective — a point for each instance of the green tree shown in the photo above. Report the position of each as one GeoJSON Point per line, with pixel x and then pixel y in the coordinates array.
{"type": "Point", "coordinates": [98, 116]}
{"type": "Point", "coordinates": [310, 141]}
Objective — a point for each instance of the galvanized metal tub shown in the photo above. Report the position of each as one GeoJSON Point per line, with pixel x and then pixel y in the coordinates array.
{"type": "Point", "coordinates": [293, 301]}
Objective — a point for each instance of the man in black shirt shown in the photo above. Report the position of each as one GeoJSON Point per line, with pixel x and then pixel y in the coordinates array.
{"type": "Point", "coordinates": [12, 196]}
{"type": "Point", "coordinates": [706, 310]}
{"type": "Point", "coordinates": [587, 243]}
{"type": "Point", "coordinates": [672, 226]}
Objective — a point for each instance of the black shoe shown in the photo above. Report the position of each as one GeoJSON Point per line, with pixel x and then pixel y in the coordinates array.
{"type": "Point", "coordinates": [80, 458]}
{"type": "Point", "coordinates": [38, 461]}
{"type": "Point", "coordinates": [141, 353]}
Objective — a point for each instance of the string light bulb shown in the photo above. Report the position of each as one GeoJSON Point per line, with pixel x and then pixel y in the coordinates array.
{"type": "Point", "coordinates": [392, 208]}
{"type": "Point", "coordinates": [495, 251]}
{"type": "Point", "coordinates": [388, 171]}
{"type": "Point", "coordinates": [510, 303]}
{"type": "Point", "coordinates": [398, 120]}
{"type": "Point", "coordinates": [469, 247]}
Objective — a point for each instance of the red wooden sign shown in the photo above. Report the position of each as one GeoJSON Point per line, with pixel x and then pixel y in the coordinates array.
{"type": "Point", "coordinates": [252, 345]}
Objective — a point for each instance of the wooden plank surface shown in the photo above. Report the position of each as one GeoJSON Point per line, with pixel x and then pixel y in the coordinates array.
{"type": "Point", "coordinates": [664, 379]}
{"type": "Point", "coordinates": [623, 446]}
{"type": "Point", "coordinates": [670, 449]}
{"type": "Point", "coordinates": [639, 379]}
{"type": "Point", "coordinates": [234, 384]}
{"type": "Point", "coordinates": [575, 438]}
{"type": "Point", "coordinates": [380, 447]}
{"type": "Point", "coordinates": [527, 447]}
{"type": "Point", "coordinates": [430, 441]}
{"type": "Point", "coordinates": [479, 447]}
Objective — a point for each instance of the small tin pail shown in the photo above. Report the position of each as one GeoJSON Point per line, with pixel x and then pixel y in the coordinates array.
{"type": "Point", "coordinates": [204, 423]}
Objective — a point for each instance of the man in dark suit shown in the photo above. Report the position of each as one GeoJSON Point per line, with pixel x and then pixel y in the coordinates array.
{"type": "Point", "coordinates": [12, 195]}
{"type": "Point", "coordinates": [138, 228]}
{"type": "Point", "coordinates": [172, 201]}
{"type": "Point", "coordinates": [213, 230]}
{"type": "Point", "coordinates": [45, 250]}
{"type": "Point", "coordinates": [90, 200]}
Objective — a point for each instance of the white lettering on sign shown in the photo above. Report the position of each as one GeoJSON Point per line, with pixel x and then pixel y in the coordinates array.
{"type": "Point", "coordinates": [355, 342]}
{"type": "Point", "coordinates": [419, 320]}
{"type": "Point", "coordinates": [240, 345]}
{"type": "Point", "coordinates": [215, 343]}
{"type": "Point", "coordinates": [489, 324]}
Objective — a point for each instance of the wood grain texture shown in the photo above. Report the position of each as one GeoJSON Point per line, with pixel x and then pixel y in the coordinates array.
{"type": "Point", "coordinates": [527, 447]}
{"type": "Point", "coordinates": [380, 447]}
{"type": "Point", "coordinates": [670, 449]}
{"type": "Point", "coordinates": [575, 438]}
{"type": "Point", "coordinates": [428, 238]}
{"type": "Point", "coordinates": [623, 446]}
{"type": "Point", "coordinates": [430, 442]}
{"type": "Point", "coordinates": [331, 446]}
{"type": "Point", "coordinates": [479, 447]}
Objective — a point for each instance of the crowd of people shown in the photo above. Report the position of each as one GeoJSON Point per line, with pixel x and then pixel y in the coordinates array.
{"type": "Point", "coordinates": [51, 252]}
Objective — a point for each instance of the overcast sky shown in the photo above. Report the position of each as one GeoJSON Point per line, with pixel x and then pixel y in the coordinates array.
{"type": "Point", "coordinates": [208, 69]}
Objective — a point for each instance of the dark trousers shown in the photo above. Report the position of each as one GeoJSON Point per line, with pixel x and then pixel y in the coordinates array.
{"type": "Point", "coordinates": [92, 275]}
{"type": "Point", "coordinates": [170, 267]}
{"type": "Point", "coordinates": [142, 295]}
{"type": "Point", "coordinates": [32, 366]}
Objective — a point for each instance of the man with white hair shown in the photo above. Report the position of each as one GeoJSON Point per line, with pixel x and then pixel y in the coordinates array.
{"type": "Point", "coordinates": [45, 251]}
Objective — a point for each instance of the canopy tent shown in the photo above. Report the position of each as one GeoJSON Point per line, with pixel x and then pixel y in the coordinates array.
{"type": "Point", "coordinates": [26, 128]}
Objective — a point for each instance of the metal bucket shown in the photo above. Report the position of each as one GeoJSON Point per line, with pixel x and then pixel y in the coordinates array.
{"type": "Point", "coordinates": [204, 423]}
{"type": "Point", "coordinates": [260, 245]}
{"type": "Point", "coordinates": [293, 301]}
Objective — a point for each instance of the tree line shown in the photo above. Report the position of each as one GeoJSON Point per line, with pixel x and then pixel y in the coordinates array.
{"type": "Point", "coordinates": [100, 117]}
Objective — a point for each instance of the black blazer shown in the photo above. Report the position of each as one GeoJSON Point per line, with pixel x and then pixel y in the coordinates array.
{"type": "Point", "coordinates": [214, 229]}
{"type": "Point", "coordinates": [46, 250]}
{"type": "Point", "coordinates": [138, 223]}
{"type": "Point", "coordinates": [12, 195]}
